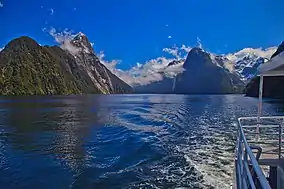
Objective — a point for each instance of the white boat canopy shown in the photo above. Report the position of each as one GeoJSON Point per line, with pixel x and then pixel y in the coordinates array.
{"type": "Point", "coordinates": [274, 67]}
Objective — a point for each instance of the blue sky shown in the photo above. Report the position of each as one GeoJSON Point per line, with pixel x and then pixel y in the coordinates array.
{"type": "Point", "coordinates": [137, 30]}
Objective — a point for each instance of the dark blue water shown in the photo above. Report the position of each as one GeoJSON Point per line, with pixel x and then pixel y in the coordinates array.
{"type": "Point", "coordinates": [121, 141]}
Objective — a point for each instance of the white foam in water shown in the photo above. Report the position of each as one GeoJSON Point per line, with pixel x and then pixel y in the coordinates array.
{"type": "Point", "coordinates": [209, 158]}
{"type": "Point", "coordinates": [196, 142]}
{"type": "Point", "coordinates": [212, 176]}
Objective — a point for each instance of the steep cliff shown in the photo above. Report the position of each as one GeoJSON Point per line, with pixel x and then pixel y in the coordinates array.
{"type": "Point", "coordinates": [203, 76]}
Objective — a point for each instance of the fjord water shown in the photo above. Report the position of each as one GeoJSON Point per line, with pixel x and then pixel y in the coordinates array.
{"type": "Point", "coordinates": [121, 141]}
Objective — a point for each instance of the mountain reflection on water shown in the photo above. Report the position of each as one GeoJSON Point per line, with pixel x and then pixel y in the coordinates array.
{"type": "Point", "coordinates": [121, 141]}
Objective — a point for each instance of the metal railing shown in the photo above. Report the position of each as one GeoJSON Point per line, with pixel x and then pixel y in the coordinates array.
{"type": "Point", "coordinates": [248, 173]}
{"type": "Point", "coordinates": [266, 132]}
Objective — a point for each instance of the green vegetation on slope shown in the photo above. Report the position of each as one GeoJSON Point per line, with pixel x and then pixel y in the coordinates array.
{"type": "Point", "coordinates": [27, 68]}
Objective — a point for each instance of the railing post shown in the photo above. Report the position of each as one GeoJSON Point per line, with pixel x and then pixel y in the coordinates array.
{"type": "Point", "coordinates": [245, 158]}
{"type": "Point", "coordinates": [259, 105]}
{"type": "Point", "coordinates": [280, 140]}
{"type": "Point", "coordinates": [239, 160]}
{"type": "Point", "coordinates": [260, 98]}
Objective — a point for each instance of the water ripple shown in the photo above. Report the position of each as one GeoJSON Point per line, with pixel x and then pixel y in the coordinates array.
{"type": "Point", "coordinates": [121, 141]}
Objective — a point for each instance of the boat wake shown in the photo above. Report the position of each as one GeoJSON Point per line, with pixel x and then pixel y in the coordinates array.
{"type": "Point", "coordinates": [121, 141]}
{"type": "Point", "coordinates": [197, 150]}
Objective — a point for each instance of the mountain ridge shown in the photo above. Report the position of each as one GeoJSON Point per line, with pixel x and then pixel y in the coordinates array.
{"type": "Point", "coordinates": [26, 68]}
{"type": "Point", "coordinates": [73, 68]}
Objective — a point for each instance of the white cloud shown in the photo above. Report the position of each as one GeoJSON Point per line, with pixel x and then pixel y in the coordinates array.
{"type": "Point", "coordinates": [51, 11]}
{"type": "Point", "coordinates": [1, 48]}
{"type": "Point", "coordinates": [156, 68]}
{"type": "Point", "coordinates": [185, 48]}
{"type": "Point", "coordinates": [149, 71]}
{"type": "Point", "coordinates": [178, 52]}
{"type": "Point", "coordinates": [256, 51]}
{"type": "Point", "coordinates": [111, 65]}
{"type": "Point", "coordinates": [64, 39]}
{"type": "Point", "coordinates": [1, 4]}
{"type": "Point", "coordinates": [169, 37]}
{"type": "Point", "coordinates": [173, 51]}
{"type": "Point", "coordinates": [174, 70]}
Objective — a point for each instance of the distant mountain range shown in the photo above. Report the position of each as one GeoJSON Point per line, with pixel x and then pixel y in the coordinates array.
{"type": "Point", "coordinates": [26, 68]}
{"type": "Point", "coordinates": [209, 73]}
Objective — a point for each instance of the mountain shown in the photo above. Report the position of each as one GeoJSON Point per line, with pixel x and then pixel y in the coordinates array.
{"type": "Point", "coordinates": [272, 85]}
{"type": "Point", "coordinates": [204, 75]}
{"type": "Point", "coordinates": [220, 60]}
{"type": "Point", "coordinates": [26, 68]}
{"type": "Point", "coordinates": [247, 66]}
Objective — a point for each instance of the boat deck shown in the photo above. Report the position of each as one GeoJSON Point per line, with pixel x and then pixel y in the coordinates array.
{"type": "Point", "coordinates": [259, 154]}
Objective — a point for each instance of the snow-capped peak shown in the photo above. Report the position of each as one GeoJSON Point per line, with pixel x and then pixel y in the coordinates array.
{"type": "Point", "coordinates": [81, 34]}
{"type": "Point", "coordinates": [80, 37]}
{"type": "Point", "coordinates": [247, 65]}
{"type": "Point", "coordinates": [81, 41]}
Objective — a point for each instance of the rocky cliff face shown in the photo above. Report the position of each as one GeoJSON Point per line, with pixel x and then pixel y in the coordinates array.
{"type": "Point", "coordinates": [27, 68]}
{"type": "Point", "coordinates": [203, 76]}
{"type": "Point", "coordinates": [102, 78]}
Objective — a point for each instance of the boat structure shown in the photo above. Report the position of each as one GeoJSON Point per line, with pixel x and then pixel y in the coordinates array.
{"type": "Point", "coordinates": [259, 162]}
